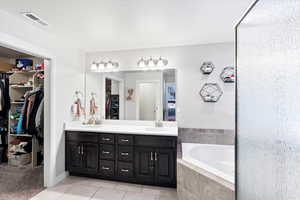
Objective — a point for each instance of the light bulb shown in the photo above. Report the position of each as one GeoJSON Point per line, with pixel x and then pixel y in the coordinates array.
{"type": "Point", "coordinates": [109, 64]}
{"type": "Point", "coordinates": [141, 62]}
{"type": "Point", "coordinates": [166, 62]}
{"type": "Point", "coordinates": [151, 62]}
{"type": "Point", "coordinates": [160, 62]}
{"type": "Point", "coordinates": [94, 66]}
{"type": "Point", "coordinates": [116, 65]}
{"type": "Point", "coordinates": [102, 65]}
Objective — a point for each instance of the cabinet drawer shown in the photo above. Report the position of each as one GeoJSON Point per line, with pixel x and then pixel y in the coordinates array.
{"type": "Point", "coordinates": [107, 168]}
{"type": "Point", "coordinates": [125, 153]}
{"type": "Point", "coordinates": [82, 137]}
{"type": "Point", "coordinates": [107, 151]}
{"type": "Point", "coordinates": [107, 139]}
{"type": "Point", "coordinates": [125, 139]}
{"type": "Point", "coordinates": [156, 141]}
{"type": "Point", "coordinates": [125, 169]}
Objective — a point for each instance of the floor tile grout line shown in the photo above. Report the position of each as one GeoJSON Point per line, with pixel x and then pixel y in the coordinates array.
{"type": "Point", "coordinates": [95, 192]}
{"type": "Point", "coordinates": [124, 195]}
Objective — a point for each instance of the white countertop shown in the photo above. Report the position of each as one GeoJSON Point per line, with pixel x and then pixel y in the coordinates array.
{"type": "Point", "coordinates": [123, 129]}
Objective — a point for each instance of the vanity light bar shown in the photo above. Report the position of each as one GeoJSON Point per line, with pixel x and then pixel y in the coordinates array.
{"type": "Point", "coordinates": [104, 65]}
{"type": "Point", "coordinates": [152, 62]}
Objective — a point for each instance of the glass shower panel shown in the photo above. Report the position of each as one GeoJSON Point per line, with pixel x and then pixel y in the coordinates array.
{"type": "Point", "coordinates": [268, 102]}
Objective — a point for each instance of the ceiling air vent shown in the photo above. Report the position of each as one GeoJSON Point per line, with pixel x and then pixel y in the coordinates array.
{"type": "Point", "coordinates": [33, 17]}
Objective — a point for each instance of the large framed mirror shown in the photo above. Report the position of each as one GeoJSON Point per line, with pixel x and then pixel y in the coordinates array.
{"type": "Point", "coordinates": [133, 95]}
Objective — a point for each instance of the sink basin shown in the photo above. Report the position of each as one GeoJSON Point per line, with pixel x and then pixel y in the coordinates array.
{"type": "Point", "coordinates": [158, 129]}
{"type": "Point", "coordinates": [92, 125]}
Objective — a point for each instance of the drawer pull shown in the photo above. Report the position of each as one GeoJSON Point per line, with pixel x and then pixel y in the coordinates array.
{"type": "Point", "coordinates": [124, 170]}
{"type": "Point", "coordinates": [105, 152]}
{"type": "Point", "coordinates": [105, 168]}
{"type": "Point", "coordinates": [124, 140]}
{"type": "Point", "coordinates": [106, 139]}
{"type": "Point", "coordinates": [124, 154]}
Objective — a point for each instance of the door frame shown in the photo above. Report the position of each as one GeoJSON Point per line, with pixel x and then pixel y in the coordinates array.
{"type": "Point", "coordinates": [159, 97]}
{"type": "Point", "coordinates": [121, 96]}
{"type": "Point", "coordinates": [17, 44]}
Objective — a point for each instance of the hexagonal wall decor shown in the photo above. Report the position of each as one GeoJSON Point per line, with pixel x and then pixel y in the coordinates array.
{"type": "Point", "coordinates": [207, 67]}
{"type": "Point", "coordinates": [228, 75]}
{"type": "Point", "coordinates": [211, 92]}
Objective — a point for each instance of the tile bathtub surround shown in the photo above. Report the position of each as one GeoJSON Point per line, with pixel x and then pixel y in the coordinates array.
{"type": "Point", "coordinates": [206, 136]}
{"type": "Point", "coordinates": [192, 185]}
{"type": "Point", "coordinates": [79, 188]}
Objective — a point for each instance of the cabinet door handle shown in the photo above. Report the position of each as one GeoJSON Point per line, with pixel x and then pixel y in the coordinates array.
{"type": "Point", "coordinates": [124, 170]}
{"type": "Point", "coordinates": [79, 149]}
{"type": "Point", "coordinates": [106, 139]}
{"type": "Point", "coordinates": [82, 150]}
{"type": "Point", "coordinates": [105, 152]}
{"type": "Point", "coordinates": [151, 156]}
{"type": "Point", "coordinates": [124, 154]}
{"type": "Point", "coordinates": [105, 168]}
{"type": "Point", "coordinates": [155, 156]}
{"type": "Point", "coordinates": [124, 140]}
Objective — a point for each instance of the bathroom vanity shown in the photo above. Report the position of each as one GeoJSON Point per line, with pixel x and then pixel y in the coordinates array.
{"type": "Point", "coordinates": [136, 154]}
{"type": "Point", "coordinates": [130, 145]}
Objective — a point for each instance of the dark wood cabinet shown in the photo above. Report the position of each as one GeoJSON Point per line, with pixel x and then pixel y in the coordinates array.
{"type": "Point", "coordinates": [74, 158]}
{"type": "Point", "coordinates": [165, 172]}
{"type": "Point", "coordinates": [90, 157]}
{"type": "Point", "coordinates": [155, 166]}
{"type": "Point", "coordinates": [133, 158]}
{"type": "Point", "coordinates": [144, 164]}
{"type": "Point", "coordinates": [107, 168]}
{"type": "Point", "coordinates": [82, 157]}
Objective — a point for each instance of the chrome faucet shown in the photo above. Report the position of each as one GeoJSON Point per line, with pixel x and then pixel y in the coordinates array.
{"type": "Point", "coordinates": [158, 123]}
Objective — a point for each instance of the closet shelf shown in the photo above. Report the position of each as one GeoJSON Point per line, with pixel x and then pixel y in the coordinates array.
{"type": "Point", "coordinates": [20, 86]}
{"type": "Point", "coordinates": [20, 83]}
{"type": "Point", "coordinates": [16, 119]}
{"type": "Point", "coordinates": [17, 102]}
{"type": "Point", "coordinates": [20, 135]}
{"type": "Point", "coordinates": [24, 72]}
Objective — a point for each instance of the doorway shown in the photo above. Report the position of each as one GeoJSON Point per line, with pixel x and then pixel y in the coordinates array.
{"type": "Point", "coordinates": [113, 96]}
{"type": "Point", "coordinates": [148, 100]}
{"type": "Point", "coordinates": [36, 169]}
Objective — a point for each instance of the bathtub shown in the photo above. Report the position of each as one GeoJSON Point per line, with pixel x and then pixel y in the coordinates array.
{"type": "Point", "coordinates": [216, 159]}
{"type": "Point", "coordinates": [206, 171]}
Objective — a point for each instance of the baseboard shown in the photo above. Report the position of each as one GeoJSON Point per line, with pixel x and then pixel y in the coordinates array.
{"type": "Point", "coordinates": [60, 177]}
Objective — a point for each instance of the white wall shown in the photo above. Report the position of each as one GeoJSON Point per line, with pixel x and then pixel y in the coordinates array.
{"type": "Point", "coordinates": [192, 111]}
{"type": "Point", "coordinates": [66, 77]}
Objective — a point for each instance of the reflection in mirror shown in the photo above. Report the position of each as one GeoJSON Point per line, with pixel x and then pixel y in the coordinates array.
{"type": "Point", "coordinates": [112, 99]}
{"type": "Point", "coordinates": [148, 100]}
{"type": "Point", "coordinates": [134, 95]}
{"type": "Point", "coordinates": [169, 95]}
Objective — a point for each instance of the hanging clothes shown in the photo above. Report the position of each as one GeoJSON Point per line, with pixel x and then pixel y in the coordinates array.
{"type": "Point", "coordinates": [39, 120]}
{"type": "Point", "coordinates": [27, 121]}
{"type": "Point", "coordinates": [4, 97]}
{"type": "Point", "coordinates": [4, 108]}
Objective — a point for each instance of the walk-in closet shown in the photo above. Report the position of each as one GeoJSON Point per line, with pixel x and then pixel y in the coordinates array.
{"type": "Point", "coordinates": [21, 122]}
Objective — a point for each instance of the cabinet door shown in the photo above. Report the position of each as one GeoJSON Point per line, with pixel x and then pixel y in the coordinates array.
{"type": "Point", "coordinates": [165, 166]}
{"type": "Point", "coordinates": [144, 164]}
{"type": "Point", "coordinates": [90, 155]}
{"type": "Point", "coordinates": [74, 158]}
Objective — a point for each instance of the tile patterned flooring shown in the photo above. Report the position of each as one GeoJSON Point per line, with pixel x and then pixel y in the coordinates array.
{"type": "Point", "coordinates": [78, 188]}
